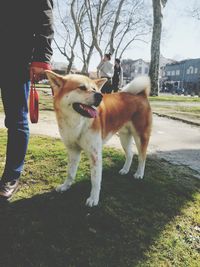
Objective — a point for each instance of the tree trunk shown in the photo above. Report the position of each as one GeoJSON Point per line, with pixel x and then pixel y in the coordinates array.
{"type": "Point", "coordinates": [155, 47]}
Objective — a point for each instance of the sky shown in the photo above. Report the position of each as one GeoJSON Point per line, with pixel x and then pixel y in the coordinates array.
{"type": "Point", "coordinates": [182, 31]}
{"type": "Point", "coordinates": [180, 38]}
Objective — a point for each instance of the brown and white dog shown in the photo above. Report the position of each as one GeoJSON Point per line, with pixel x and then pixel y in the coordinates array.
{"type": "Point", "coordinates": [87, 119]}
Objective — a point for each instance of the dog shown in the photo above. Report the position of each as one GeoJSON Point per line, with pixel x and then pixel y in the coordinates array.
{"type": "Point", "coordinates": [87, 119]}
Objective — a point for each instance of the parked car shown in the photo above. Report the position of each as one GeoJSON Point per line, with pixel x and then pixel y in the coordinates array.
{"type": "Point", "coordinates": [44, 81]}
{"type": "Point", "coordinates": [180, 90]}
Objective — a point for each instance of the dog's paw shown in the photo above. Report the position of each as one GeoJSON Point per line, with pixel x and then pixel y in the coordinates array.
{"type": "Point", "coordinates": [91, 202]}
{"type": "Point", "coordinates": [138, 175]}
{"type": "Point", "coordinates": [62, 188]}
{"type": "Point", "coordinates": [123, 171]}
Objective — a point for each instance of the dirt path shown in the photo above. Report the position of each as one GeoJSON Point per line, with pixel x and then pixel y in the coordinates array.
{"type": "Point", "coordinates": [172, 140]}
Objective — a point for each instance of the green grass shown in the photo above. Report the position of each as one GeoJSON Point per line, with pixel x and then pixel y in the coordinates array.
{"type": "Point", "coordinates": [154, 222]}
{"type": "Point", "coordinates": [186, 113]}
{"type": "Point", "coordinates": [41, 85]}
{"type": "Point", "coordinates": [45, 100]}
{"type": "Point", "coordinates": [174, 98]}
{"type": "Point", "coordinates": [178, 108]}
{"type": "Point", "coordinates": [183, 109]}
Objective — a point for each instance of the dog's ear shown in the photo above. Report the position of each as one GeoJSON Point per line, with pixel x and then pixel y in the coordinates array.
{"type": "Point", "coordinates": [100, 82]}
{"type": "Point", "coordinates": [56, 81]}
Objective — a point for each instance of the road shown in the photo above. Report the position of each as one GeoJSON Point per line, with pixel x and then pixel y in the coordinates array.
{"type": "Point", "coordinates": [172, 140]}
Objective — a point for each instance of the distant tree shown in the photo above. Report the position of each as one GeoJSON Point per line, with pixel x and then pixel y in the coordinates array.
{"type": "Point", "coordinates": [66, 33]}
{"type": "Point", "coordinates": [116, 24]}
{"type": "Point", "coordinates": [85, 27]}
{"type": "Point", "coordinates": [194, 11]}
{"type": "Point", "coordinates": [155, 45]}
{"type": "Point", "coordinates": [133, 25]}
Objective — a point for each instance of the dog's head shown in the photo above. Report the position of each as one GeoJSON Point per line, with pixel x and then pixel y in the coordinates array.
{"type": "Point", "coordinates": [76, 92]}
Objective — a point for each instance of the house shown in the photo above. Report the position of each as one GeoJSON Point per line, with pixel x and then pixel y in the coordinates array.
{"type": "Point", "coordinates": [182, 74]}
{"type": "Point", "coordinates": [134, 68]}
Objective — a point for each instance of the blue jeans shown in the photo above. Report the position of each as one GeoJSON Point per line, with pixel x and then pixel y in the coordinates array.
{"type": "Point", "coordinates": [15, 102]}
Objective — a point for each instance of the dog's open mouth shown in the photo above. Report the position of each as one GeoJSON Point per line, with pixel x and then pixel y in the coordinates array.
{"type": "Point", "coordinates": [85, 110]}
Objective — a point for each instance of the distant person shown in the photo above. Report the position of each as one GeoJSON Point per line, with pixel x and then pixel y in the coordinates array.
{"type": "Point", "coordinates": [117, 80]}
{"type": "Point", "coordinates": [105, 69]}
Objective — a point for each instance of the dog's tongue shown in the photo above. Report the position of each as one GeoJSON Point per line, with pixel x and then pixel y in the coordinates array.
{"type": "Point", "coordinates": [91, 111]}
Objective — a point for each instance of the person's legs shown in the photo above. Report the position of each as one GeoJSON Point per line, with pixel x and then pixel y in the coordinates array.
{"type": "Point", "coordinates": [15, 102]}
{"type": "Point", "coordinates": [107, 87]}
{"type": "Point", "coordinates": [115, 87]}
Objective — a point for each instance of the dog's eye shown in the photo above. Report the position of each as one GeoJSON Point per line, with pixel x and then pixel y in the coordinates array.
{"type": "Point", "coordinates": [93, 89]}
{"type": "Point", "coordinates": [82, 87]}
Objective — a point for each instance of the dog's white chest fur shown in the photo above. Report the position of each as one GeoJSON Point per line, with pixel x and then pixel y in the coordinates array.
{"type": "Point", "coordinates": [77, 133]}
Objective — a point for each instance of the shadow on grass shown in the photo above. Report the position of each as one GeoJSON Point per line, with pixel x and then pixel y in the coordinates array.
{"type": "Point", "coordinates": [59, 230]}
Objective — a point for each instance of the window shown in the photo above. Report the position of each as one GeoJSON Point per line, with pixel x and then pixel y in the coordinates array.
{"type": "Point", "coordinates": [177, 72]}
{"type": "Point", "coordinates": [173, 72]}
{"type": "Point", "coordinates": [139, 70]}
{"type": "Point", "coordinates": [190, 70]}
{"type": "Point", "coordinates": [168, 73]}
{"type": "Point", "coordinates": [146, 70]}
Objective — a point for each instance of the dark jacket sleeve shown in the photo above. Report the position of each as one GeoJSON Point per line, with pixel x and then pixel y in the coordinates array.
{"type": "Point", "coordinates": [43, 31]}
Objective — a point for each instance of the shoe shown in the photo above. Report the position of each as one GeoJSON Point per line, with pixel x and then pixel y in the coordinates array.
{"type": "Point", "coordinates": [7, 189]}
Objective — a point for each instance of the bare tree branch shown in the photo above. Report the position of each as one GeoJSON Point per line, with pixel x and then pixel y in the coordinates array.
{"type": "Point", "coordinates": [115, 26]}
{"type": "Point", "coordinates": [89, 26]}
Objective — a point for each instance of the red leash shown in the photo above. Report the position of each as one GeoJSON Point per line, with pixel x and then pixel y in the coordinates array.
{"type": "Point", "coordinates": [34, 103]}
{"type": "Point", "coordinates": [34, 96]}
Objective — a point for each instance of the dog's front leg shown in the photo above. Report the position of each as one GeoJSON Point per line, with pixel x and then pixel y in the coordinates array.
{"type": "Point", "coordinates": [74, 158]}
{"type": "Point", "coordinates": [96, 176]}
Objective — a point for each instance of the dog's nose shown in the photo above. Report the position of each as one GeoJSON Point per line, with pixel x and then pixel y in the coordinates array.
{"type": "Point", "coordinates": [98, 97]}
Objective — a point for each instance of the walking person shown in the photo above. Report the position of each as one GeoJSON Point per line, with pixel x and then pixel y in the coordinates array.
{"type": "Point", "coordinates": [105, 69]}
{"type": "Point", "coordinates": [117, 80]}
{"type": "Point", "coordinates": [26, 29]}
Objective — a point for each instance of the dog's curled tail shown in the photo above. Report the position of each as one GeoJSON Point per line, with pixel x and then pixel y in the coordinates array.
{"type": "Point", "coordinates": [138, 85]}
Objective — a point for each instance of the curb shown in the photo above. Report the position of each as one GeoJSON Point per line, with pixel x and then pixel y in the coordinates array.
{"type": "Point", "coordinates": [177, 119]}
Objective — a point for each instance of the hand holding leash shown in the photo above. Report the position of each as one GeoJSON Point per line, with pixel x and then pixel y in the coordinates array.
{"type": "Point", "coordinates": [37, 72]}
